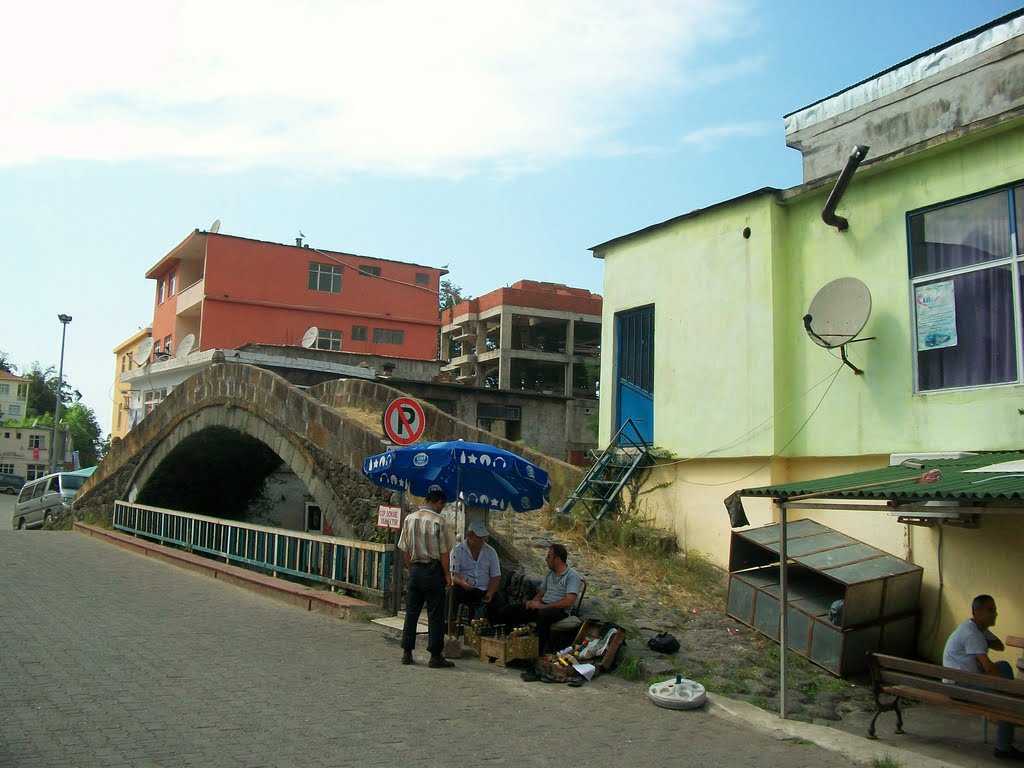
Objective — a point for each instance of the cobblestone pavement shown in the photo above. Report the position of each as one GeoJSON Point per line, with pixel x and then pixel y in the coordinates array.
{"type": "Point", "coordinates": [111, 659]}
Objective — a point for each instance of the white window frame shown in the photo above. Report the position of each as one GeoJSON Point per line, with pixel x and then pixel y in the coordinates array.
{"type": "Point", "coordinates": [329, 340]}
{"type": "Point", "coordinates": [1015, 261]}
{"type": "Point", "coordinates": [319, 272]}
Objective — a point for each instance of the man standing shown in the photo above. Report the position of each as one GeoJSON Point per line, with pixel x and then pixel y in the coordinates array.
{"type": "Point", "coordinates": [967, 649]}
{"type": "Point", "coordinates": [476, 572]}
{"type": "Point", "coordinates": [426, 542]}
{"type": "Point", "coordinates": [553, 600]}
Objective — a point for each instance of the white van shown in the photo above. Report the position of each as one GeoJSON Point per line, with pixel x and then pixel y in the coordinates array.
{"type": "Point", "coordinates": [45, 499]}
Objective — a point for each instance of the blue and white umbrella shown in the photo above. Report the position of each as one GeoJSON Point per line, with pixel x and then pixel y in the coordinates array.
{"type": "Point", "coordinates": [486, 476]}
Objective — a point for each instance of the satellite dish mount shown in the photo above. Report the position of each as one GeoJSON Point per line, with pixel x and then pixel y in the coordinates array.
{"type": "Point", "coordinates": [838, 312]}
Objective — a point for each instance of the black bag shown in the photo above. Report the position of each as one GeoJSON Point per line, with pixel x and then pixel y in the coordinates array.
{"type": "Point", "coordinates": [663, 642]}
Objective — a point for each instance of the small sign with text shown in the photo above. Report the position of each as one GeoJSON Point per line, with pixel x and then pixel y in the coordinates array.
{"type": "Point", "coordinates": [389, 517]}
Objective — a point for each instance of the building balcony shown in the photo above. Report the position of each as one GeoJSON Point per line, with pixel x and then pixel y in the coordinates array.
{"type": "Point", "coordinates": [191, 297]}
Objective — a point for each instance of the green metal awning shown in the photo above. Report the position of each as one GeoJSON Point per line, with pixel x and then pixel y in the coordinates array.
{"type": "Point", "coordinates": [979, 481]}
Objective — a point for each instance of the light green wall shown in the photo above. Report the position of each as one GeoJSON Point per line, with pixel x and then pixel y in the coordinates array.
{"type": "Point", "coordinates": [878, 413]}
{"type": "Point", "coordinates": [730, 348]}
{"type": "Point", "coordinates": [712, 293]}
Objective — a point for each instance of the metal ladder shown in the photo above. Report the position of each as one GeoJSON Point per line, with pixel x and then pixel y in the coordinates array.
{"type": "Point", "coordinates": [599, 491]}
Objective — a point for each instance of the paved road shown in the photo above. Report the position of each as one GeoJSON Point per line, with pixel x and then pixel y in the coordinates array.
{"type": "Point", "coordinates": [110, 659]}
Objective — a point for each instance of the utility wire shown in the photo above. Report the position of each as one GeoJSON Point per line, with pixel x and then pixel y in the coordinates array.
{"type": "Point", "coordinates": [759, 426]}
{"type": "Point", "coordinates": [784, 447]}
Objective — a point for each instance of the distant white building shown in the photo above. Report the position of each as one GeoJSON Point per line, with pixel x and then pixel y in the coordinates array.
{"type": "Point", "coordinates": [13, 397]}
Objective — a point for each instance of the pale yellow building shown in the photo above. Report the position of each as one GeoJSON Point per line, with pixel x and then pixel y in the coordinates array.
{"type": "Point", "coordinates": [124, 361]}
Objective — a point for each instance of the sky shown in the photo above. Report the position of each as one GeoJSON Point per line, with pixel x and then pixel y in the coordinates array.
{"type": "Point", "coordinates": [502, 139]}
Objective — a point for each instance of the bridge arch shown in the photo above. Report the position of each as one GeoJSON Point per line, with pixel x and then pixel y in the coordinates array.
{"type": "Point", "coordinates": [322, 434]}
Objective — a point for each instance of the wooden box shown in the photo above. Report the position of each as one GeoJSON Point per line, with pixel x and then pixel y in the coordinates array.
{"type": "Point", "coordinates": [590, 630]}
{"type": "Point", "coordinates": [506, 649]}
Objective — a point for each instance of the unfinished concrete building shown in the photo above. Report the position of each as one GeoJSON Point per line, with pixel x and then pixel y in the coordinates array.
{"type": "Point", "coordinates": [542, 337]}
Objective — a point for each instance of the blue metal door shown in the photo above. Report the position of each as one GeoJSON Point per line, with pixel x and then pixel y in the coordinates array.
{"type": "Point", "coordinates": [634, 390]}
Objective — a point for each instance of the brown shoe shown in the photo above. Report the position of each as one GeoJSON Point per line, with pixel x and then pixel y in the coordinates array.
{"type": "Point", "coordinates": [407, 658]}
{"type": "Point", "coordinates": [440, 662]}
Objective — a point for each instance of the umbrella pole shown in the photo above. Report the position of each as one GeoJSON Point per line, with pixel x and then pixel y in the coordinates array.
{"type": "Point", "coordinates": [398, 566]}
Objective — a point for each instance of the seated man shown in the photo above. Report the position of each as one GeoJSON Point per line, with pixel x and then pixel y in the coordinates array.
{"type": "Point", "coordinates": [967, 649]}
{"type": "Point", "coordinates": [553, 600]}
{"type": "Point", "coordinates": [476, 573]}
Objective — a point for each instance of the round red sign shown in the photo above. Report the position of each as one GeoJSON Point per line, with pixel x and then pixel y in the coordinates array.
{"type": "Point", "coordinates": [403, 421]}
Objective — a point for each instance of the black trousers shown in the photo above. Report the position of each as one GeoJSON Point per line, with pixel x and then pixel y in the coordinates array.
{"type": "Point", "coordinates": [517, 614]}
{"type": "Point", "coordinates": [426, 585]}
{"type": "Point", "coordinates": [474, 599]}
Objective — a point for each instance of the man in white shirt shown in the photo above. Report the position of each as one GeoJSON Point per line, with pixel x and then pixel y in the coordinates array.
{"type": "Point", "coordinates": [476, 572]}
{"type": "Point", "coordinates": [967, 649]}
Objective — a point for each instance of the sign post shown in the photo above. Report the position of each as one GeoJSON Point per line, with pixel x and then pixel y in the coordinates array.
{"type": "Point", "coordinates": [403, 421]}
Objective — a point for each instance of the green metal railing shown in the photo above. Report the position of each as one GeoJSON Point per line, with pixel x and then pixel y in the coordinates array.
{"type": "Point", "coordinates": [360, 566]}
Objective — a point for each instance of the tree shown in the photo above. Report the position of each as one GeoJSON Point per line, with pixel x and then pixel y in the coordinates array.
{"type": "Point", "coordinates": [5, 362]}
{"type": "Point", "coordinates": [450, 295]}
{"type": "Point", "coordinates": [42, 391]}
{"type": "Point", "coordinates": [80, 422]}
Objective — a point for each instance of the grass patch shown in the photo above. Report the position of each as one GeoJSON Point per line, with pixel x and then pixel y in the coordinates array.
{"type": "Point", "coordinates": [629, 669]}
{"type": "Point", "coordinates": [885, 762]}
{"type": "Point", "coordinates": [688, 578]}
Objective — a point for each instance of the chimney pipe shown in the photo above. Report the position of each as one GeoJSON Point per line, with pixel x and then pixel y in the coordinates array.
{"type": "Point", "coordinates": [828, 214]}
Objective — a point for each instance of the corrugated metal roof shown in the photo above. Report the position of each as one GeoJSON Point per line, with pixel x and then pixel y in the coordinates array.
{"type": "Point", "coordinates": [902, 484]}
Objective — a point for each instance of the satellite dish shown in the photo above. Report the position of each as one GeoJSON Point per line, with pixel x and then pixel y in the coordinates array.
{"type": "Point", "coordinates": [310, 336]}
{"type": "Point", "coordinates": [838, 312]}
{"type": "Point", "coordinates": [185, 346]}
{"type": "Point", "coordinates": [145, 349]}
{"type": "Point", "coordinates": [215, 227]}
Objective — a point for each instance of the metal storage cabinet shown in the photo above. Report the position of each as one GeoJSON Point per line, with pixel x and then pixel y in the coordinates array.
{"type": "Point", "coordinates": [880, 593]}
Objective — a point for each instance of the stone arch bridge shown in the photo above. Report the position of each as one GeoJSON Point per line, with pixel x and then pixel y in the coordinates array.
{"type": "Point", "coordinates": [210, 445]}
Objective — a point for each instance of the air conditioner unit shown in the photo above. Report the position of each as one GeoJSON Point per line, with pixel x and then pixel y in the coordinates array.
{"type": "Point", "coordinates": [895, 459]}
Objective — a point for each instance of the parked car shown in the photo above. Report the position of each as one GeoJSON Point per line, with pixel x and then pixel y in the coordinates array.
{"type": "Point", "coordinates": [11, 484]}
{"type": "Point", "coordinates": [42, 500]}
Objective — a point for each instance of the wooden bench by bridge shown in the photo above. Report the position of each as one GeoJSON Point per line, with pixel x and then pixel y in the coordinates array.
{"type": "Point", "coordinates": [991, 697]}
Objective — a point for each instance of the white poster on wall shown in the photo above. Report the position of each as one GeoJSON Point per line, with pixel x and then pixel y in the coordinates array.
{"type": "Point", "coordinates": [936, 315]}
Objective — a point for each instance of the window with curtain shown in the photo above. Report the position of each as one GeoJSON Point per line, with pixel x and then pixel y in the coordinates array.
{"type": "Point", "coordinates": [965, 273]}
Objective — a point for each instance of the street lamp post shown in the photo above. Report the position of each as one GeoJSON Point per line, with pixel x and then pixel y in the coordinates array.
{"type": "Point", "coordinates": [64, 319]}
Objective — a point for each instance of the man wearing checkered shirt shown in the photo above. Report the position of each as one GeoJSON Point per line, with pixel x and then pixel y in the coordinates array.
{"type": "Point", "coordinates": [426, 542]}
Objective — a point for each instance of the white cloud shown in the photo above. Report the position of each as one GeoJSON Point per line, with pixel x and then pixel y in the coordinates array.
{"type": "Point", "coordinates": [438, 87]}
{"type": "Point", "coordinates": [712, 136]}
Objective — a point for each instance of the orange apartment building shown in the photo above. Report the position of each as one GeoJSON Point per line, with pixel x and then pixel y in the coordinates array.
{"type": "Point", "coordinates": [227, 291]}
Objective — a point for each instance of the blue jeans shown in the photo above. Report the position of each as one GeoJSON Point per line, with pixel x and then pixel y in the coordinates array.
{"type": "Point", "coordinates": [1004, 731]}
{"type": "Point", "coordinates": [426, 585]}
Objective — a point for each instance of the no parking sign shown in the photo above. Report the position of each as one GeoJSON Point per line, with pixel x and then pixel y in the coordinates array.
{"type": "Point", "coordinates": [403, 421]}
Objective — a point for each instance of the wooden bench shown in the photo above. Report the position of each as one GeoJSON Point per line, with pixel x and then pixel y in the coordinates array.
{"type": "Point", "coordinates": [991, 697]}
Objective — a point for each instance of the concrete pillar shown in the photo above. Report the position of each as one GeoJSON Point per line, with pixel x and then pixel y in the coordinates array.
{"type": "Point", "coordinates": [505, 358]}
